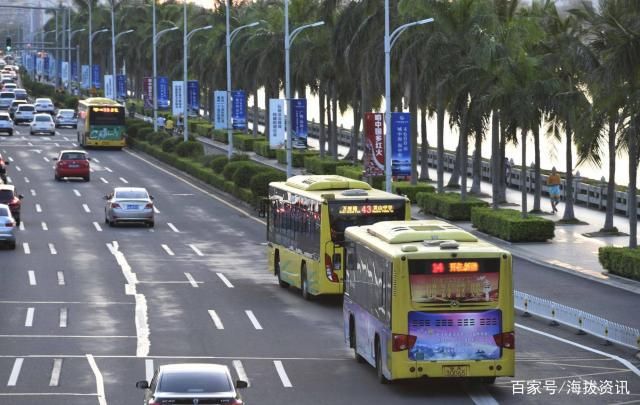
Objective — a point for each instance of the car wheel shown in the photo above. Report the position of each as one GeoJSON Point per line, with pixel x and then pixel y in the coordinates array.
{"type": "Point", "coordinates": [304, 284]}
{"type": "Point", "coordinates": [17, 218]}
{"type": "Point", "coordinates": [56, 177]}
{"type": "Point", "coordinates": [12, 245]}
{"type": "Point", "coordinates": [151, 224]}
{"type": "Point", "coordinates": [87, 178]}
{"type": "Point", "coordinates": [111, 223]}
{"type": "Point", "coordinates": [11, 133]}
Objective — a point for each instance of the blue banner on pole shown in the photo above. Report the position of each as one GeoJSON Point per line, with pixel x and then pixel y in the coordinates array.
{"type": "Point", "coordinates": [400, 144]}
{"type": "Point", "coordinates": [193, 97]}
{"type": "Point", "coordinates": [121, 85]}
{"type": "Point", "coordinates": [96, 77]}
{"type": "Point", "coordinates": [74, 71]}
{"type": "Point", "coordinates": [239, 109]}
{"type": "Point", "coordinates": [45, 65]}
{"type": "Point", "coordinates": [298, 111]}
{"type": "Point", "coordinates": [85, 77]}
{"type": "Point", "coordinates": [163, 92]}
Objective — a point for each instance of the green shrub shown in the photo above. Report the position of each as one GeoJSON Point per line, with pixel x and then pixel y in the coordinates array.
{"type": "Point", "coordinates": [157, 138]}
{"type": "Point", "coordinates": [260, 182]}
{"type": "Point", "coordinates": [239, 156]}
{"type": "Point", "coordinates": [261, 147]}
{"type": "Point", "coordinates": [206, 160]}
{"type": "Point", "coordinates": [243, 142]}
{"type": "Point", "coordinates": [220, 136]}
{"type": "Point", "coordinates": [405, 188]}
{"type": "Point", "coordinates": [231, 168]}
{"type": "Point", "coordinates": [189, 149]}
{"type": "Point", "coordinates": [132, 130]}
{"type": "Point", "coordinates": [352, 172]}
{"type": "Point", "coordinates": [144, 132]}
{"type": "Point", "coordinates": [297, 156]}
{"type": "Point", "coordinates": [203, 129]}
{"type": "Point", "coordinates": [316, 165]}
{"type": "Point", "coordinates": [621, 261]}
{"type": "Point", "coordinates": [218, 163]}
{"type": "Point", "coordinates": [509, 225]}
{"type": "Point", "coordinates": [242, 177]}
{"type": "Point", "coordinates": [449, 205]}
{"type": "Point", "coordinates": [169, 145]}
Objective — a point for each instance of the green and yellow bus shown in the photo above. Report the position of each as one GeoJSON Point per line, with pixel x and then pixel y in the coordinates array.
{"type": "Point", "coordinates": [101, 123]}
{"type": "Point", "coordinates": [306, 220]}
{"type": "Point", "coordinates": [428, 299]}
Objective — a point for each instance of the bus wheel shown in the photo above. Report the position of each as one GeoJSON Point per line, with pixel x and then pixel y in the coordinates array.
{"type": "Point", "coordinates": [304, 283]}
{"type": "Point", "coordinates": [276, 265]}
{"type": "Point", "coordinates": [352, 340]}
{"type": "Point", "coordinates": [381, 378]}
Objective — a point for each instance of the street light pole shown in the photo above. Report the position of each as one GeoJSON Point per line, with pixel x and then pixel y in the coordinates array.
{"type": "Point", "coordinates": [71, 34]}
{"type": "Point", "coordinates": [156, 38]}
{"type": "Point", "coordinates": [90, 58]}
{"type": "Point", "coordinates": [113, 48]}
{"type": "Point", "coordinates": [389, 41]}
{"type": "Point", "coordinates": [113, 79]}
{"type": "Point", "coordinates": [90, 48]}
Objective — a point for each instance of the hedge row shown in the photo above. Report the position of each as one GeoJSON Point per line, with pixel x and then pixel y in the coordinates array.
{"type": "Point", "coordinates": [411, 191]}
{"type": "Point", "coordinates": [356, 172]}
{"type": "Point", "coordinates": [261, 147]}
{"type": "Point", "coordinates": [621, 261]}
{"type": "Point", "coordinates": [509, 225]}
{"type": "Point", "coordinates": [297, 156]}
{"type": "Point", "coordinates": [448, 205]}
{"type": "Point", "coordinates": [317, 165]}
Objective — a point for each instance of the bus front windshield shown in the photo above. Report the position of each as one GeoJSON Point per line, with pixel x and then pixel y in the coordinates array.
{"type": "Point", "coordinates": [343, 214]}
{"type": "Point", "coordinates": [106, 116]}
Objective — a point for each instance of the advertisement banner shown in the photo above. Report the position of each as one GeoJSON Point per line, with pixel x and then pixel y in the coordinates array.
{"type": "Point", "coordinates": [239, 110]}
{"type": "Point", "coordinates": [400, 144]}
{"type": "Point", "coordinates": [121, 86]}
{"type": "Point", "coordinates": [193, 98]}
{"type": "Point", "coordinates": [74, 71]}
{"type": "Point", "coordinates": [85, 77]}
{"type": "Point", "coordinates": [96, 76]}
{"type": "Point", "coordinates": [108, 86]}
{"type": "Point", "coordinates": [220, 109]}
{"type": "Point", "coordinates": [163, 92]}
{"type": "Point", "coordinates": [276, 123]}
{"type": "Point", "coordinates": [177, 98]}
{"type": "Point", "coordinates": [64, 72]}
{"type": "Point", "coordinates": [374, 144]}
{"type": "Point", "coordinates": [298, 111]}
{"type": "Point", "coordinates": [39, 65]}
{"type": "Point", "coordinates": [45, 65]}
{"type": "Point", "coordinates": [147, 92]}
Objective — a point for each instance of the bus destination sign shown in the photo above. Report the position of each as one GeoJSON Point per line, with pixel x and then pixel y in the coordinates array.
{"type": "Point", "coordinates": [367, 209]}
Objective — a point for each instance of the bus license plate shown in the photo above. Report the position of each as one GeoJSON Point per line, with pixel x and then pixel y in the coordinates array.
{"type": "Point", "coordinates": [455, 371]}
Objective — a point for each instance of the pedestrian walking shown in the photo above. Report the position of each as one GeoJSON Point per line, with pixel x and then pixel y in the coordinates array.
{"type": "Point", "coordinates": [160, 121]}
{"type": "Point", "coordinates": [553, 186]}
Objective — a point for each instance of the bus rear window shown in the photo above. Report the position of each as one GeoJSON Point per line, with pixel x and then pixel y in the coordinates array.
{"type": "Point", "coordinates": [106, 116]}
{"type": "Point", "coordinates": [462, 280]}
{"type": "Point", "coordinates": [343, 214]}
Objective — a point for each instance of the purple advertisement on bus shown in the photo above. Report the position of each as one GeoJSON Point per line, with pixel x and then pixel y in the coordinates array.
{"type": "Point", "coordinates": [455, 335]}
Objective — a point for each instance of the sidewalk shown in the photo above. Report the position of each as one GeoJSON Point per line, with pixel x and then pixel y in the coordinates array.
{"type": "Point", "coordinates": [569, 251]}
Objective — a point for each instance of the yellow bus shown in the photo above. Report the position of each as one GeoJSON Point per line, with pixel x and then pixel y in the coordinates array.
{"type": "Point", "coordinates": [101, 123]}
{"type": "Point", "coordinates": [428, 299]}
{"type": "Point", "coordinates": [306, 220]}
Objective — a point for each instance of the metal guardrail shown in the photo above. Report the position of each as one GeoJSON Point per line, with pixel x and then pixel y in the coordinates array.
{"type": "Point", "coordinates": [575, 318]}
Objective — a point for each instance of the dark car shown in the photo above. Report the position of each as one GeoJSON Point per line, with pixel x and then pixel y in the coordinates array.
{"type": "Point", "coordinates": [194, 383]}
{"type": "Point", "coordinates": [14, 201]}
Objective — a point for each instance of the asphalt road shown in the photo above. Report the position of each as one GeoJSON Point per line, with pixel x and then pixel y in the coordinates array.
{"type": "Point", "coordinates": [87, 310]}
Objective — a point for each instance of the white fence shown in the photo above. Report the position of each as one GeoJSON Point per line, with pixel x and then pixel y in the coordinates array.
{"type": "Point", "coordinates": [580, 320]}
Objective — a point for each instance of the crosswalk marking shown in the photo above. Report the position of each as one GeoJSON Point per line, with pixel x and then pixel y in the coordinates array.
{"type": "Point", "coordinates": [216, 320]}
{"type": "Point", "coordinates": [195, 249]}
{"type": "Point", "coordinates": [192, 281]}
{"type": "Point", "coordinates": [52, 249]}
{"type": "Point", "coordinates": [61, 278]}
{"type": "Point", "coordinates": [55, 373]}
{"type": "Point", "coordinates": [168, 250]}
{"type": "Point", "coordinates": [225, 280]}
{"type": "Point", "coordinates": [38, 208]}
{"type": "Point", "coordinates": [148, 365]}
{"type": "Point", "coordinates": [32, 277]}
{"type": "Point", "coordinates": [242, 375]}
{"type": "Point", "coordinates": [283, 374]}
{"type": "Point", "coordinates": [253, 320]}
{"type": "Point", "coordinates": [173, 228]}
{"type": "Point", "coordinates": [63, 317]}
{"type": "Point", "coordinates": [44, 226]}
{"type": "Point", "coordinates": [26, 248]}
{"type": "Point", "coordinates": [76, 192]}
{"type": "Point", "coordinates": [15, 372]}
{"type": "Point", "coordinates": [97, 226]}
{"type": "Point", "coordinates": [86, 208]}
{"type": "Point", "coordinates": [28, 322]}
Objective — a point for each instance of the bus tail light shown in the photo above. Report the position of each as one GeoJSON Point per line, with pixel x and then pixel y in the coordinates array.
{"type": "Point", "coordinates": [328, 265]}
{"type": "Point", "coordinates": [403, 342]}
{"type": "Point", "coordinates": [506, 340]}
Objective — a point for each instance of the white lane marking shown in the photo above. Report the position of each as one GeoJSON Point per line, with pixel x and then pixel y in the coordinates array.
{"type": "Point", "coordinates": [9, 180]}
{"type": "Point", "coordinates": [55, 373]}
{"type": "Point", "coordinates": [173, 228]}
{"type": "Point", "coordinates": [32, 277]}
{"type": "Point", "coordinates": [97, 226]}
{"type": "Point", "coordinates": [33, 192]}
{"type": "Point", "coordinates": [18, 169]}
{"type": "Point", "coordinates": [99, 381]}
{"type": "Point", "coordinates": [28, 322]}
{"type": "Point", "coordinates": [141, 317]}
{"type": "Point", "coordinates": [29, 143]}
{"type": "Point", "coordinates": [52, 249]}
{"type": "Point", "coordinates": [122, 179]}
{"type": "Point", "coordinates": [65, 138]}
{"type": "Point", "coordinates": [148, 366]}
{"type": "Point", "coordinates": [216, 320]}
{"type": "Point", "coordinates": [107, 169]}
{"type": "Point", "coordinates": [168, 250]}
{"type": "Point", "coordinates": [15, 372]}
{"type": "Point", "coordinates": [76, 192]}
{"type": "Point", "coordinates": [253, 320]}
{"type": "Point", "coordinates": [44, 226]}
{"type": "Point", "coordinates": [86, 208]}
{"type": "Point", "coordinates": [195, 249]}
{"type": "Point", "coordinates": [38, 208]}
{"type": "Point", "coordinates": [102, 179]}
{"type": "Point", "coordinates": [63, 317]}
{"type": "Point", "coordinates": [192, 281]}
{"type": "Point", "coordinates": [21, 227]}
{"type": "Point", "coordinates": [56, 143]}
{"type": "Point", "coordinates": [157, 211]}
{"type": "Point", "coordinates": [26, 180]}
{"type": "Point", "coordinates": [61, 278]}
{"type": "Point", "coordinates": [96, 160]}
{"type": "Point", "coordinates": [624, 362]}
{"type": "Point", "coordinates": [242, 375]}
{"type": "Point", "coordinates": [10, 158]}
{"type": "Point", "coordinates": [74, 144]}
{"type": "Point", "coordinates": [225, 280]}
{"type": "Point", "coordinates": [46, 159]}
{"type": "Point", "coordinates": [283, 374]}
{"type": "Point", "coordinates": [25, 246]}
{"type": "Point", "coordinates": [480, 396]}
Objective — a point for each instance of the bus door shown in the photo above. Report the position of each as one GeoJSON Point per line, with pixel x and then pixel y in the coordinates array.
{"type": "Point", "coordinates": [334, 256]}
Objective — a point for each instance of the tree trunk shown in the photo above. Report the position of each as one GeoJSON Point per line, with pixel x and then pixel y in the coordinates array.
{"type": "Point", "coordinates": [334, 112]}
{"type": "Point", "coordinates": [440, 136]}
{"type": "Point", "coordinates": [632, 198]}
{"type": "Point", "coordinates": [523, 173]}
{"type": "Point", "coordinates": [355, 134]}
{"type": "Point", "coordinates": [502, 192]}
{"type": "Point", "coordinates": [330, 136]}
{"type": "Point", "coordinates": [611, 184]}
{"type": "Point", "coordinates": [495, 159]}
{"type": "Point", "coordinates": [477, 164]}
{"type": "Point", "coordinates": [568, 190]}
{"type": "Point", "coordinates": [537, 193]}
{"type": "Point", "coordinates": [424, 146]}
{"type": "Point", "coordinates": [322, 136]}
{"type": "Point", "coordinates": [454, 180]}
{"type": "Point", "coordinates": [464, 154]}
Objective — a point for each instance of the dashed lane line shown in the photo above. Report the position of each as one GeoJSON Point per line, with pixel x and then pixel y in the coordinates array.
{"type": "Point", "coordinates": [28, 322]}
{"type": "Point", "coordinates": [242, 375]}
{"type": "Point", "coordinates": [21, 227]}
{"type": "Point", "coordinates": [122, 179]}
{"type": "Point", "coordinates": [25, 247]}
{"type": "Point", "coordinates": [76, 192]}
{"type": "Point", "coordinates": [168, 250]}
{"type": "Point", "coordinates": [55, 373]}
{"type": "Point", "coordinates": [38, 208]}
{"type": "Point", "coordinates": [283, 374]}
{"type": "Point", "coordinates": [86, 208]}
{"type": "Point", "coordinates": [173, 228]}
{"type": "Point", "coordinates": [156, 210]}
{"type": "Point", "coordinates": [216, 320]}
{"type": "Point", "coordinates": [97, 226]}
{"type": "Point", "coordinates": [61, 278]}
{"type": "Point", "coordinates": [148, 366]}
{"type": "Point", "coordinates": [32, 277]}
{"type": "Point", "coordinates": [63, 317]}
{"type": "Point", "coordinates": [26, 180]}
{"type": "Point", "coordinates": [15, 372]}
{"type": "Point", "coordinates": [33, 192]}
{"type": "Point", "coordinates": [225, 280]}
{"type": "Point", "coordinates": [253, 319]}
{"type": "Point", "coordinates": [192, 281]}
{"type": "Point", "coordinates": [46, 159]}
{"type": "Point", "coordinates": [195, 249]}
{"type": "Point", "coordinates": [96, 160]}
{"type": "Point", "coordinates": [102, 179]}
{"type": "Point", "coordinates": [52, 249]}
{"type": "Point", "coordinates": [18, 168]}
{"type": "Point", "coordinates": [44, 226]}
{"type": "Point", "coordinates": [107, 169]}
{"type": "Point", "coordinates": [102, 400]}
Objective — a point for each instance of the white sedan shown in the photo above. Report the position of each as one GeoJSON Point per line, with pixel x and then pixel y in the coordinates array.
{"type": "Point", "coordinates": [43, 124]}
{"type": "Point", "coordinates": [44, 105]}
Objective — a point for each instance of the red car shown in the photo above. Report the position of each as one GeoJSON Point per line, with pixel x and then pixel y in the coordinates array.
{"type": "Point", "coordinates": [14, 201]}
{"type": "Point", "coordinates": [72, 163]}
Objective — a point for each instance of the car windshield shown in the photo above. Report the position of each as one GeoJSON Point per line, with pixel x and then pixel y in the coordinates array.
{"type": "Point", "coordinates": [43, 101]}
{"type": "Point", "coordinates": [132, 194]}
{"type": "Point", "coordinates": [4, 118]}
{"type": "Point", "coordinates": [66, 114]}
{"type": "Point", "coordinates": [42, 118]}
{"type": "Point", "coordinates": [25, 108]}
{"type": "Point", "coordinates": [194, 382]}
{"type": "Point", "coordinates": [7, 95]}
{"type": "Point", "coordinates": [74, 156]}
{"type": "Point", "coordinates": [4, 212]}
{"type": "Point", "coordinates": [6, 195]}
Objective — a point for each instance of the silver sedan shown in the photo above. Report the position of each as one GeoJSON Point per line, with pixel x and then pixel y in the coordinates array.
{"type": "Point", "coordinates": [7, 227]}
{"type": "Point", "coordinates": [129, 204]}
